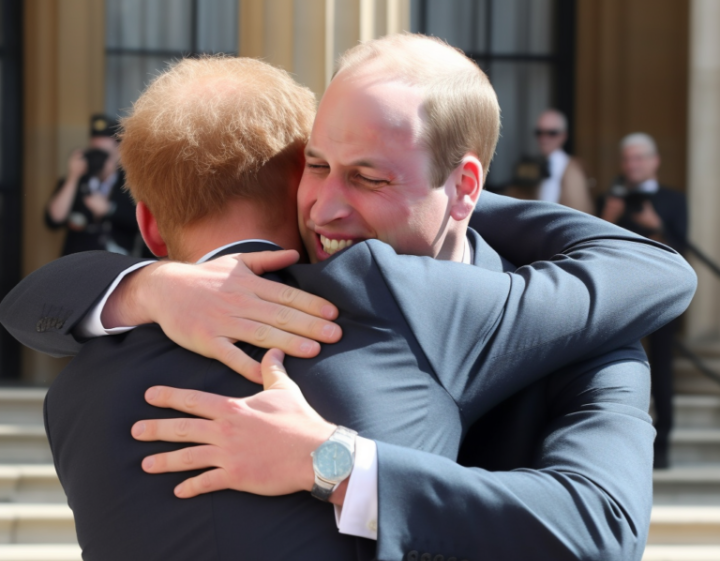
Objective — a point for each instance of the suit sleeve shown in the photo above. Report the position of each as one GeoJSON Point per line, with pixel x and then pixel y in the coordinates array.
{"type": "Point", "coordinates": [488, 333]}
{"type": "Point", "coordinates": [511, 227]}
{"type": "Point", "coordinates": [44, 308]}
{"type": "Point", "coordinates": [586, 495]}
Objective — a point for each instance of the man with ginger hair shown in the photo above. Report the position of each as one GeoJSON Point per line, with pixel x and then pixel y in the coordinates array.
{"type": "Point", "coordinates": [405, 374]}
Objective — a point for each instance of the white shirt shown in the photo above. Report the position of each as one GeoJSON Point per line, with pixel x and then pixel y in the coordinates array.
{"type": "Point", "coordinates": [551, 188]}
{"type": "Point", "coordinates": [358, 516]}
{"type": "Point", "coordinates": [649, 186]}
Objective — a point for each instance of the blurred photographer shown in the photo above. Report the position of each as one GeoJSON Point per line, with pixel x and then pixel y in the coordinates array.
{"type": "Point", "coordinates": [90, 201]}
{"type": "Point", "coordinates": [639, 203]}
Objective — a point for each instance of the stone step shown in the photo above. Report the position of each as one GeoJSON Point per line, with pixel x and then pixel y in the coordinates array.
{"type": "Point", "coordinates": [695, 446]}
{"type": "Point", "coordinates": [679, 553]}
{"type": "Point", "coordinates": [706, 349]}
{"type": "Point", "coordinates": [685, 525]}
{"type": "Point", "coordinates": [42, 552]}
{"type": "Point", "coordinates": [21, 405]}
{"type": "Point", "coordinates": [687, 485]}
{"type": "Point", "coordinates": [24, 444]}
{"type": "Point", "coordinates": [30, 483]}
{"type": "Point", "coordinates": [689, 380]}
{"type": "Point", "coordinates": [697, 411]}
{"type": "Point", "coordinates": [36, 523]}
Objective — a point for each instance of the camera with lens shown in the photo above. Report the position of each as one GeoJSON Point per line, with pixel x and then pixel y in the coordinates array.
{"type": "Point", "coordinates": [96, 159]}
{"type": "Point", "coordinates": [634, 200]}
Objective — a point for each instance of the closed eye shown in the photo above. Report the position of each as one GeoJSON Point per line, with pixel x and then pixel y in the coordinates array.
{"type": "Point", "coordinates": [373, 182]}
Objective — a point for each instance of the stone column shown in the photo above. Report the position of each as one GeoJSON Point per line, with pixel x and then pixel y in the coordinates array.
{"type": "Point", "coordinates": [704, 164]}
{"type": "Point", "coordinates": [63, 83]}
{"type": "Point", "coordinates": [305, 37]}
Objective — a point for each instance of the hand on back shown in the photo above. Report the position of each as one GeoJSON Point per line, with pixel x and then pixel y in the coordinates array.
{"type": "Point", "coordinates": [259, 444]}
{"type": "Point", "coordinates": [208, 307]}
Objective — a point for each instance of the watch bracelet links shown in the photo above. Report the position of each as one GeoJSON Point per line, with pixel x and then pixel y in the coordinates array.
{"type": "Point", "coordinates": [324, 489]}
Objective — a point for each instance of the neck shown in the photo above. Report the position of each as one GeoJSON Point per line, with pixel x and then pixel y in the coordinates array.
{"type": "Point", "coordinates": [242, 220]}
{"type": "Point", "coordinates": [454, 245]}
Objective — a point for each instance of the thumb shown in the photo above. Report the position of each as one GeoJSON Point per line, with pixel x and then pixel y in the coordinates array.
{"type": "Point", "coordinates": [266, 261]}
{"type": "Point", "coordinates": [274, 375]}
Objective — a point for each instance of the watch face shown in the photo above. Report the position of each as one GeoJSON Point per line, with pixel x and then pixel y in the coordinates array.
{"type": "Point", "coordinates": [332, 461]}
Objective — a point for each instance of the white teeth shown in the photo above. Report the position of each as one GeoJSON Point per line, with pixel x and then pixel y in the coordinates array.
{"type": "Point", "coordinates": [333, 246]}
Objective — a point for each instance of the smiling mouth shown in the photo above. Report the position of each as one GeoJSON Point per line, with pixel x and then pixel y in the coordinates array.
{"type": "Point", "coordinates": [333, 246]}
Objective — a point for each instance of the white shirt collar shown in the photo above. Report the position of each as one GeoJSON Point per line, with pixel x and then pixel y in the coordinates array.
{"type": "Point", "coordinates": [214, 252]}
{"type": "Point", "coordinates": [649, 186]}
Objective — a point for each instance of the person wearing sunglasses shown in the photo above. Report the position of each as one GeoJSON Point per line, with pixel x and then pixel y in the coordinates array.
{"type": "Point", "coordinates": [567, 183]}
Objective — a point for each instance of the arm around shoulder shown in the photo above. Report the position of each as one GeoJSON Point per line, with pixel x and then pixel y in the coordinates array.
{"type": "Point", "coordinates": [45, 307]}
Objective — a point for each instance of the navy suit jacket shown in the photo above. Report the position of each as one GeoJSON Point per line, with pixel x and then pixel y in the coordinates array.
{"type": "Point", "coordinates": [412, 377]}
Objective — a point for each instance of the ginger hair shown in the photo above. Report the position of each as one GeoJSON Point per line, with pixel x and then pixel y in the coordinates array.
{"type": "Point", "coordinates": [461, 111]}
{"type": "Point", "coordinates": [210, 130]}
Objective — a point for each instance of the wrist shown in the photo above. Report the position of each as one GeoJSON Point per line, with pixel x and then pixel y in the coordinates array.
{"type": "Point", "coordinates": [129, 305]}
{"type": "Point", "coordinates": [316, 437]}
{"type": "Point", "coordinates": [338, 496]}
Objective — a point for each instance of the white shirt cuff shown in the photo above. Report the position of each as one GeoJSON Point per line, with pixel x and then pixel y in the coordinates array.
{"type": "Point", "coordinates": [91, 325]}
{"type": "Point", "coordinates": [359, 513]}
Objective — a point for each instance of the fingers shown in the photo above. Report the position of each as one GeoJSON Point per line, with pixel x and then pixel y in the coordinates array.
{"type": "Point", "coordinates": [274, 375]}
{"type": "Point", "coordinates": [190, 458]}
{"type": "Point", "coordinates": [291, 310]}
{"type": "Point", "coordinates": [207, 482]}
{"type": "Point", "coordinates": [285, 295]}
{"type": "Point", "coordinates": [200, 431]}
{"type": "Point", "coordinates": [260, 334]}
{"type": "Point", "coordinates": [193, 457]}
{"type": "Point", "coordinates": [232, 357]}
{"type": "Point", "coordinates": [194, 402]}
{"type": "Point", "coordinates": [267, 261]}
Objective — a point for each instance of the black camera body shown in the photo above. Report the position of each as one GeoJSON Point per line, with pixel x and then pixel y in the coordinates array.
{"type": "Point", "coordinates": [634, 200]}
{"type": "Point", "coordinates": [96, 159]}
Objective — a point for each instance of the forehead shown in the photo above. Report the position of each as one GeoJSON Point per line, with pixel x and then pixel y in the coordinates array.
{"type": "Point", "coordinates": [365, 112]}
{"type": "Point", "coordinates": [550, 120]}
{"type": "Point", "coordinates": [635, 150]}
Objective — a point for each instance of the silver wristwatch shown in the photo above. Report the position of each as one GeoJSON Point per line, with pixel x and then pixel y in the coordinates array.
{"type": "Point", "coordinates": [333, 462]}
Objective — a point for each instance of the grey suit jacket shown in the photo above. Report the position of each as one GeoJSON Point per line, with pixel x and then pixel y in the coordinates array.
{"type": "Point", "coordinates": [405, 375]}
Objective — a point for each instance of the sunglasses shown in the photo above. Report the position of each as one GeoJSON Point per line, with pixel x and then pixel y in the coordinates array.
{"type": "Point", "coordinates": [547, 132]}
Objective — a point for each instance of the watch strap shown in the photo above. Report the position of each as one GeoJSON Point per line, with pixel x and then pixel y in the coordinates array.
{"type": "Point", "coordinates": [322, 489]}
{"type": "Point", "coordinates": [345, 436]}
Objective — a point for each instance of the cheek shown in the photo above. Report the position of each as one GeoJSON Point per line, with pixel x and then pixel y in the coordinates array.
{"type": "Point", "coordinates": [412, 227]}
{"type": "Point", "coordinates": [305, 198]}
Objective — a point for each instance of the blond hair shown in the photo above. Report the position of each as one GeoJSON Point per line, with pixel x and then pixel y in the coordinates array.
{"type": "Point", "coordinates": [460, 106]}
{"type": "Point", "coordinates": [210, 130]}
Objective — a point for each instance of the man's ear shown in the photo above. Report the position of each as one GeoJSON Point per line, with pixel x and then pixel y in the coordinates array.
{"type": "Point", "coordinates": [150, 231]}
{"type": "Point", "coordinates": [468, 182]}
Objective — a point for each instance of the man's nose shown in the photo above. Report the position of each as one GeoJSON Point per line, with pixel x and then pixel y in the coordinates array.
{"type": "Point", "coordinates": [331, 203]}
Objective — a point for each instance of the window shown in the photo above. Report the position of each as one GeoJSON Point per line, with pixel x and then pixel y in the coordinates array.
{"type": "Point", "coordinates": [525, 47]}
{"type": "Point", "coordinates": [141, 37]}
